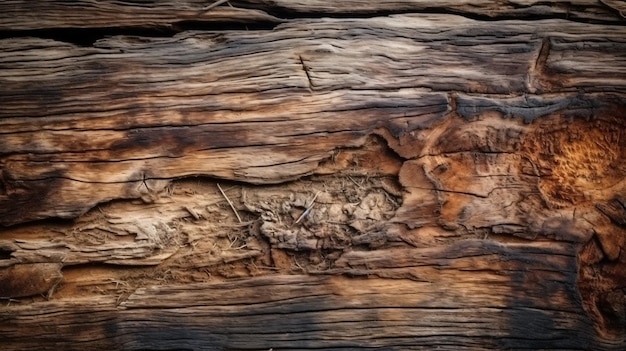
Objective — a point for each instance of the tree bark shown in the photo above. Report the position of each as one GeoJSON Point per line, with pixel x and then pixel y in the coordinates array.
{"type": "Point", "coordinates": [313, 175]}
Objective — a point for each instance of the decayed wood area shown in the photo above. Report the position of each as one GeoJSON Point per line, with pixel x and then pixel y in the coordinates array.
{"type": "Point", "coordinates": [274, 175]}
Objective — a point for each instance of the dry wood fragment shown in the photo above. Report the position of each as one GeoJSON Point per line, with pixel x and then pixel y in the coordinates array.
{"type": "Point", "coordinates": [230, 203]}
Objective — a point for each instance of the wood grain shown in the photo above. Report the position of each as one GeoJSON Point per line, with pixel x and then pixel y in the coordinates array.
{"type": "Point", "coordinates": [307, 312]}
{"type": "Point", "coordinates": [298, 97]}
{"type": "Point", "coordinates": [403, 180]}
{"type": "Point", "coordinates": [17, 15]}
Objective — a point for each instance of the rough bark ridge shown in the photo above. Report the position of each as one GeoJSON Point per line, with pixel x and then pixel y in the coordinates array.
{"type": "Point", "coordinates": [313, 175]}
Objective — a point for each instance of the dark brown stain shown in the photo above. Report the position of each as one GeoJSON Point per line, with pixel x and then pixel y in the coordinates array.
{"type": "Point", "coordinates": [25, 200]}
{"type": "Point", "coordinates": [530, 108]}
{"type": "Point", "coordinates": [177, 141]}
{"type": "Point", "coordinates": [601, 276]}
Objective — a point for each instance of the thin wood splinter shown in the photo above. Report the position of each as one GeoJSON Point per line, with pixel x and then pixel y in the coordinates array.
{"type": "Point", "coordinates": [215, 4]}
{"type": "Point", "coordinates": [308, 209]}
{"type": "Point", "coordinates": [229, 202]}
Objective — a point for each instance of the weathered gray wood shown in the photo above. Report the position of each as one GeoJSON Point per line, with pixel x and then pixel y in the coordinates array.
{"type": "Point", "coordinates": [18, 14]}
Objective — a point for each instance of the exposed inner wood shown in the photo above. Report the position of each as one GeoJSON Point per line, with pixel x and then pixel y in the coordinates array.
{"type": "Point", "coordinates": [396, 181]}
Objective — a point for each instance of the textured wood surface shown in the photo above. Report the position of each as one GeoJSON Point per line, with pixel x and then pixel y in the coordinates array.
{"type": "Point", "coordinates": [46, 14]}
{"type": "Point", "coordinates": [126, 114]}
{"type": "Point", "coordinates": [394, 175]}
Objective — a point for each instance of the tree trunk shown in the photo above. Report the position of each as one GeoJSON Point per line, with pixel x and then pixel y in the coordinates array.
{"type": "Point", "coordinates": [276, 175]}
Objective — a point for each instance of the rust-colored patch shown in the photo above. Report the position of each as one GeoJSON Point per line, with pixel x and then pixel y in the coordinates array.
{"type": "Point", "coordinates": [578, 160]}
{"type": "Point", "coordinates": [581, 165]}
{"type": "Point", "coordinates": [29, 279]}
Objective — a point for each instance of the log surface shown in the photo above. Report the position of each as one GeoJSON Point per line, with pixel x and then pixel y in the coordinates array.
{"type": "Point", "coordinates": [313, 175]}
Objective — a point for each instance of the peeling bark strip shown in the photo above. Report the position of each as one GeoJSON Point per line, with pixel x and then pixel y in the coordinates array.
{"type": "Point", "coordinates": [387, 179]}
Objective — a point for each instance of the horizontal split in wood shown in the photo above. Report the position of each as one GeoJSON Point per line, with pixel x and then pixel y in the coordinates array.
{"type": "Point", "coordinates": [129, 112]}
{"type": "Point", "coordinates": [15, 14]}
{"type": "Point", "coordinates": [110, 15]}
{"type": "Point", "coordinates": [139, 162]}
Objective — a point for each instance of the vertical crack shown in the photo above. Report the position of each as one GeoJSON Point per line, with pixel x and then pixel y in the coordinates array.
{"type": "Point", "coordinates": [542, 58]}
{"type": "Point", "coordinates": [452, 102]}
{"type": "Point", "coordinates": [537, 69]}
{"type": "Point", "coordinates": [144, 182]}
{"type": "Point", "coordinates": [306, 71]}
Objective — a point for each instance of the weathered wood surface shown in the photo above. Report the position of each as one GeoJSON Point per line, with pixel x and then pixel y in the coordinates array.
{"type": "Point", "coordinates": [123, 115]}
{"type": "Point", "coordinates": [404, 181]}
{"type": "Point", "coordinates": [46, 14]}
